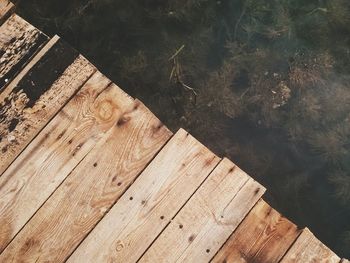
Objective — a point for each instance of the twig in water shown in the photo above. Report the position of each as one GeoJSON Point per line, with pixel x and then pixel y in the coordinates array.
{"type": "Point", "coordinates": [324, 10]}
{"type": "Point", "coordinates": [177, 52]}
{"type": "Point", "coordinates": [176, 74]}
{"type": "Point", "coordinates": [239, 21]}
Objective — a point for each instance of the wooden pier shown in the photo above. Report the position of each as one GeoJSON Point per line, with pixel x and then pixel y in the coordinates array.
{"type": "Point", "coordinates": [89, 174]}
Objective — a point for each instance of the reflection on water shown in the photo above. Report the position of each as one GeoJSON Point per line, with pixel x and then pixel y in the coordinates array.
{"type": "Point", "coordinates": [264, 82]}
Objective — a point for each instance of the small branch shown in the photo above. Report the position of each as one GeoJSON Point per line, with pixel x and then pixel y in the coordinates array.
{"type": "Point", "coordinates": [189, 88]}
{"type": "Point", "coordinates": [176, 74]}
{"type": "Point", "coordinates": [239, 21]}
{"type": "Point", "coordinates": [245, 92]}
{"type": "Point", "coordinates": [177, 52]}
{"type": "Point", "coordinates": [325, 10]}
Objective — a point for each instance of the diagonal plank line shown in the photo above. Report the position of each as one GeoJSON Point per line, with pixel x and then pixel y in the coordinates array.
{"type": "Point", "coordinates": [178, 211]}
{"type": "Point", "coordinates": [14, 237]}
{"type": "Point", "coordinates": [126, 189]}
{"type": "Point", "coordinates": [49, 120]}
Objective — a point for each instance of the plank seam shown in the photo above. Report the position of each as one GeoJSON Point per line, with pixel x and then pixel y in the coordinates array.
{"type": "Point", "coordinates": [8, 13]}
{"type": "Point", "coordinates": [290, 247]}
{"type": "Point", "coordinates": [24, 71]}
{"type": "Point", "coordinates": [195, 191]}
{"type": "Point", "coordinates": [240, 223]}
{"type": "Point", "coordinates": [125, 190]}
{"type": "Point", "coordinates": [241, 187]}
{"type": "Point", "coordinates": [27, 58]}
{"type": "Point", "coordinates": [49, 120]}
{"type": "Point", "coordinates": [45, 201]}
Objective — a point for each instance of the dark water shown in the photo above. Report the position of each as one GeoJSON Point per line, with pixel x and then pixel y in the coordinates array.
{"type": "Point", "coordinates": [264, 82]}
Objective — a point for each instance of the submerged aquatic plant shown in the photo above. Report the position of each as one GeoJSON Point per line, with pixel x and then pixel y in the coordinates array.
{"type": "Point", "coordinates": [341, 181]}
{"type": "Point", "coordinates": [332, 145]}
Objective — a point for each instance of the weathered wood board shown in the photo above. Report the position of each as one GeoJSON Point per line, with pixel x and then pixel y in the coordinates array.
{"type": "Point", "coordinates": [19, 41]}
{"type": "Point", "coordinates": [6, 8]}
{"type": "Point", "coordinates": [203, 225]}
{"type": "Point", "coordinates": [263, 236]}
{"type": "Point", "coordinates": [307, 248]}
{"type": "Point", "coordinates": [90, 190]}
{"type": "Point", "coordinates": [54, 153]}
{"type": "Point", "coordinates": [150, 203]}
{"type": "Point", "coordinates": [42, 88]}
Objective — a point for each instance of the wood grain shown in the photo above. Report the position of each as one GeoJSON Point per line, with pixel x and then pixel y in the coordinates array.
{"type": "Point", "coordinates": [307, 248]}
{"type": "Point", "coordinates": [90, 190]}
{"type": "Point", "coordinates": [54, 153]}
{"type": "Point", "coordinates": [208, 219]}
{"type": "Point", "coordinates": [19, 41]}
{"type": "Point", "coordinates": [27, 69]}
{"type": "Point", "coordinates": [34, 97]}
{"type": "Point", "coordinates": [263, 237]}
{"type": "Point", "coordinates": [150, 203]}
{"type": "Point", "coordinates": [6, 9]}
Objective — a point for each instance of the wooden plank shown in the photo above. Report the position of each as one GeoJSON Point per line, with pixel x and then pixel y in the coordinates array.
{"type": "Point", "coordinates": [150, 203]}
{"type": "Point", "coordinates": [6, 9]}
{"type": "Point", "coordinates": [208, 219]}
{"type": "Point", "coordinates": [44, 86]}
{"type": "Point", "coordinates": [307, 248]}
{"type": "Point", "coordinates": [54, 153]}
{"type": "Point", "coordinates": [19, 41]}
{"type": "Point", "coordinates": [264, 236]}
{"type": "Point", "coordinates": [6, 92]}
{"type": "Point", "coordinates": [90, 190]}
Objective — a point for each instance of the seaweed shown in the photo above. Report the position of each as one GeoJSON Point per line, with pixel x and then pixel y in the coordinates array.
{"type": "Point", "coordinates": [341, 181]}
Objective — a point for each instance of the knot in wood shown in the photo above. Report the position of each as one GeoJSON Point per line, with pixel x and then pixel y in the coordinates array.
{"type": "Point", "coordinates": [119, 246]}
{"type": "Point", "coordinates": [105, 110]}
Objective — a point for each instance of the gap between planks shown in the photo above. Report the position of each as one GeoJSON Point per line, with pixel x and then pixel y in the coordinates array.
{"type": "Point", "coordinates": [6, 9]}
{"type": "Point", "coordinates": [208, 219]}
{"type": "Point", "coordinates": [19, 42]}
{"type": "Point", "coordinates": [150, 203]}
{"type": "Point", "coordinates": [263, 236]}
{"type": "Point", "coordinates": [90, 189]}
{"type": "Point", "coordinates": [56, 78]}
{"type": "Point", "coordinates": [307, 248]}
{"type": "Point", "coordinates": [54, 153]}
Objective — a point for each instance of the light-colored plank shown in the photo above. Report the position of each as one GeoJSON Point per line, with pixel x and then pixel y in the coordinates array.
{"type": "Point", "coordinates": [54, 153]}
{"type": "Point", "coordinates": [264, 236]}
{"type": "Point", "coordinates": [208, 219]}
{"type": "Point", "coordinates": [307, 248]}
{"type": "Point", "coordinates": [42, 88]}
{"type": "Point", "coordinates": [150, 203]}
{"type": "Point", "coordinates": [19, 41]}
{"type": "Point", "coordinates": [6, 8]}
{"type": "Point", "coordinates": [90, 190]}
